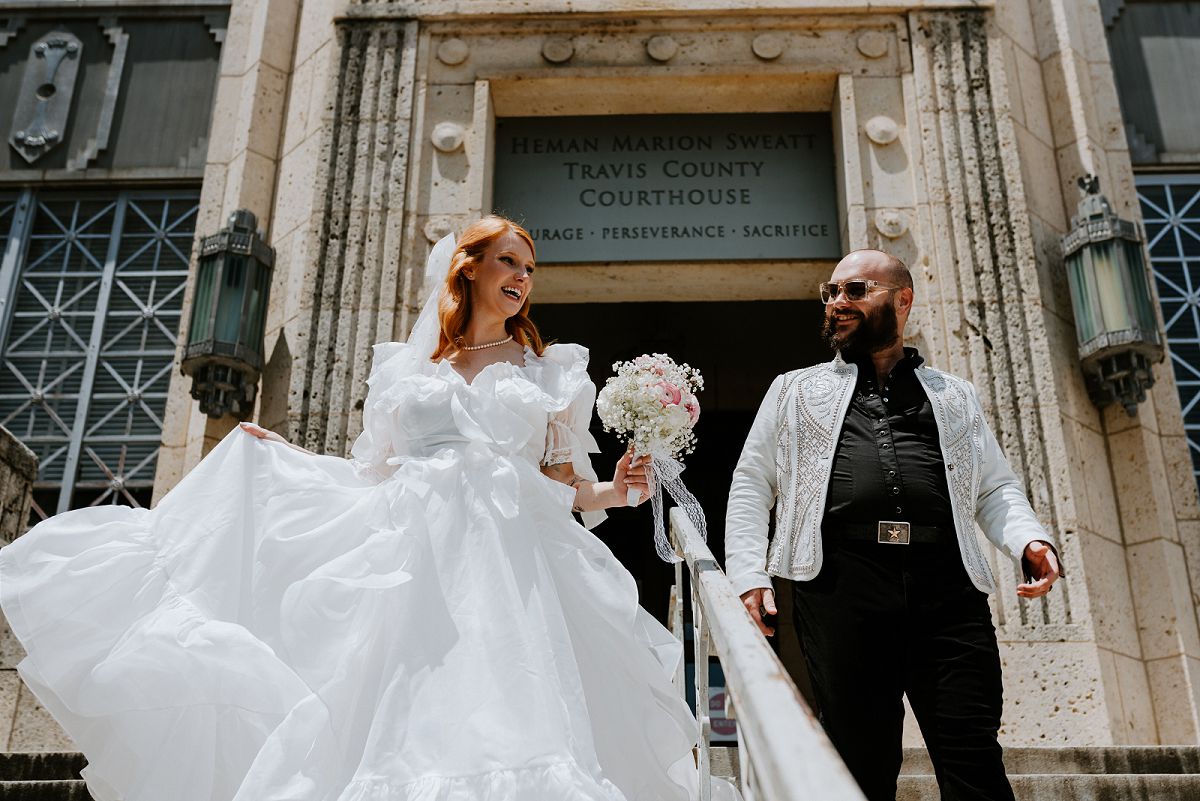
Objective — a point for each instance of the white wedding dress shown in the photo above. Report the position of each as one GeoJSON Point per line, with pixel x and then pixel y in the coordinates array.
{"type": "Point", "coordinates": [424, 622]}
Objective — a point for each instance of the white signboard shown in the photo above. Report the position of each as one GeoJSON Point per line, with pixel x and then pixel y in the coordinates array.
{"type": "Point", "coordinates": [670, 187]}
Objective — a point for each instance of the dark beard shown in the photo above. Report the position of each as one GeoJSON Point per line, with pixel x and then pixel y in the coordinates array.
{"type": "Point", "coordinates": [875, 332]}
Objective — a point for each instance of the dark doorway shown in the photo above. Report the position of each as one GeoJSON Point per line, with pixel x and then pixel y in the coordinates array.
{"type": "Point", "coordinates": [739, 347]}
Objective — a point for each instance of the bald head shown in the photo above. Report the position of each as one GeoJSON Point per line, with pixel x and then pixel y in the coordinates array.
{"type": "Point", "coordinates": [873, 264]}
{"type": "Point", "coordinates": [876, 321]}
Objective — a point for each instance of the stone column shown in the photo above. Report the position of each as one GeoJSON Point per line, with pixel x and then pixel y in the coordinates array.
{"type": "Point", "coordinates": [327, 173]}
{"type": "Point", "coordinates": [1153, 512]}
{"type": "Point", "coordinates": [1011, 113]}
{"type": "Point", "coordinates": [989, 323]}
{"type": "Point", "coordinates": [355, 234]}
{"type": "Point", "coordinates": [1138, 496]}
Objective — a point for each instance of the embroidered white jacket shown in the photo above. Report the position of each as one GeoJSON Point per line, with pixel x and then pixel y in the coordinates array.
{"type": "Point", "coordinates": [788, 457]}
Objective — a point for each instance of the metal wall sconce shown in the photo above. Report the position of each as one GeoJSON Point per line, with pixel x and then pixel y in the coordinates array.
{"type": "Point", "coordinates": [1115, 319]}
{"type": "Point", "coordinates": [224, 353]}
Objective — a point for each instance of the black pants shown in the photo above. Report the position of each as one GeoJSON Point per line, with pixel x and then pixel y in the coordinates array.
{"type": "Point", "coordinates": [880, 621]}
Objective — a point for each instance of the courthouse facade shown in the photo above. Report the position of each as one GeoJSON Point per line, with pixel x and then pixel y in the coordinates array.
{"type": "Point", "coordinates": [691, 169]}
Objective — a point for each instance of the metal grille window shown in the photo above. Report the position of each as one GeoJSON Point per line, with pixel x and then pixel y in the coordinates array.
{"type": "Point", "coordinates": [94, 287]}
{"type": "Point", "coordinates": [1171, 210]}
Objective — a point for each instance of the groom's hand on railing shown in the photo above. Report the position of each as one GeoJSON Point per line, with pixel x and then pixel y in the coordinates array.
{"type": "Point", "coordinates": [759, 603]}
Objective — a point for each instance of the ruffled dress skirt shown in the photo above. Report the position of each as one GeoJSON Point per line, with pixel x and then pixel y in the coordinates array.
{"type": "Point", "coordinates": [283, 626]}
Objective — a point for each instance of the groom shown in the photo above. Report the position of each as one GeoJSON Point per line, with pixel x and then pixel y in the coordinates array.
{"type": "Point", "coordinates": [878, 469]}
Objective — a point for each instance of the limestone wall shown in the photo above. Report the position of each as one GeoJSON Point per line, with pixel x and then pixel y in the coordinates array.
{"type": "Point", "coordinates": [246, 157]}
{"type": "Point", "coordinates": [1128, 498]}
{"type": "Point", "coordinates": [18, 469]}
{"type": "Point", "coordinates": [24, 724]}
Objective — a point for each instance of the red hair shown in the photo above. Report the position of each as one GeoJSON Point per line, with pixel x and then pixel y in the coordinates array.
{"type": "Point", "coordinates": [454, 308]}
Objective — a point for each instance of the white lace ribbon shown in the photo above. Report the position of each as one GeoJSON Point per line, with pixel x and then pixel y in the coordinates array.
{"type": "Point", "coordinates": [665, 473]}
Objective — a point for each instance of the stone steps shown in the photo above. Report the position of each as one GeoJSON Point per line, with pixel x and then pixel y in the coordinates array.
{"type": "Point", "coordinates": [42, 776]}
{"type": "Point", "coordinates": [40, 765]}
{"type": "Point", "coordinates": [1110, 759]}
{"type": "Point", "coordinates": [1120, 773]}
{"type": "Point", "coordinates": [1077, 787]}
{"type": "Point", "coordinates": [53, 790]}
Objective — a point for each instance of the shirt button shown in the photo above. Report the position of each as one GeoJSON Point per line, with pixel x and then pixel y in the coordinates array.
{"type": "Point", "coordinates": [885, 446]}
{"type": "Point", "coordinates": [885, 400]}
{"type": "Point", "coordinates": [891, 474]}
{"type": "Point", "coordinates": [898, 510]}
{"type": "Point", "coordinates": [895, 490]}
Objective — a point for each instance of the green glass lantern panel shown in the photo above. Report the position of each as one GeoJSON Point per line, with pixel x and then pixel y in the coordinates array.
{"type": "Point", "coordinates": [1087, 321]}
{"type": "Point", "coordinates": [228, 327]}
{"type": "Point", "coordinates": [201, 327]}
{"type": "Point", "coordinates": [1108, 272]}
{"type": "Point", "coordinates": [257, 309]}
{"type": "Point", "coordinates": [1139, 286]}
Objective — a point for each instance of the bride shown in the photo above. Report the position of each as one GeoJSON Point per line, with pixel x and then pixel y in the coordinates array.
{"type": "Point", "coordinates": [425, 621]}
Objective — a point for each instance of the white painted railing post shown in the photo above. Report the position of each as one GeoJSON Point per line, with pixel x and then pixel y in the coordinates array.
{"type": "Point", "coordinates": [783, 752]}
{"type": "Point", "coordinates": [700, 639]}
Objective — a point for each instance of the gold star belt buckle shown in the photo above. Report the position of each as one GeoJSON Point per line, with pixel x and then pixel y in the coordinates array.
{"type": "Point", "coordinates": [894, 532]}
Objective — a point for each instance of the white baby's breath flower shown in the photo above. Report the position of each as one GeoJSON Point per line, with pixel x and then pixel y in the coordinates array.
{"type": "Point", "coordinates": [647, 403]}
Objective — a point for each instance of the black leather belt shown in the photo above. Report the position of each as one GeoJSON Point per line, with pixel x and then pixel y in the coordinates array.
{"type": "Point", "coordinates": [892, 532]}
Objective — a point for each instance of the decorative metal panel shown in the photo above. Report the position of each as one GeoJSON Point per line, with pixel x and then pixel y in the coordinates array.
{"type": "Point", "coordinates": [47, 88]}
{"type": "Point", "coordinates": [91, 339]}
{"type": "Point", "coordinates": [1171, 211]}
{"type": "Point", "coordinates": [113, 106]}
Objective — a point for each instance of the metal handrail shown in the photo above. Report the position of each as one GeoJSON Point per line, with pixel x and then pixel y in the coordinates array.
{"type": "Point", "coordinates": [782, 750]}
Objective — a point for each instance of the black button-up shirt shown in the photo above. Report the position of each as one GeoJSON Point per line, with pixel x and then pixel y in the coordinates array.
{"type": "Point", "coordinates": [888, 463]}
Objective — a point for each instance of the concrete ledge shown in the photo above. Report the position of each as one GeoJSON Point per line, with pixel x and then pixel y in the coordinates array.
{"type": "Point", "coordinates": [1113, 760]}
{"type": "Point", "coordinates": [468, 9]}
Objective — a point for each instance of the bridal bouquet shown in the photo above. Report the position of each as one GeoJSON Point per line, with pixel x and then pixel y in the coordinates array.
{"type": "Point", "coordinates": [651, 404]}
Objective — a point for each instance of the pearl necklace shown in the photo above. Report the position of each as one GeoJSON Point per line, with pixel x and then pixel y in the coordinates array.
{"type": "Point", "coordinates": [504, 341]}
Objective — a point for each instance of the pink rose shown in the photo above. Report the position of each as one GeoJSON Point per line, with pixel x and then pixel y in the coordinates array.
{"type": "Point", "coordinates": [670, 393]}
{"type": "Point", "coordinates": [693, 407]}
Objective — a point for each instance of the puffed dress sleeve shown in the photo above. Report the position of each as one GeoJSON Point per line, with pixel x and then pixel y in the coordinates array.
{"type": "Point", "coordinates": [374, 452]}
{"type": "Point", "coordinates": [564, 379]}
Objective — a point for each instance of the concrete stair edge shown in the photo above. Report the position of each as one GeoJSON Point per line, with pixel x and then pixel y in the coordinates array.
{"type": "Point", "coordinates": [52, 790]}
{"type": "Point", "coordinates": [1105, 760]}
{"type": "Point", "coordinates": [40, 765]}
{"type": "Point", "coordinates": [1074, 787]}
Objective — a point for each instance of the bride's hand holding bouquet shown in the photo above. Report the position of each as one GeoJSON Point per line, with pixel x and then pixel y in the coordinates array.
{"type": "Point", "coordinates": [632, 479]}
{"type": "Point", "coordinates": [651, 404]}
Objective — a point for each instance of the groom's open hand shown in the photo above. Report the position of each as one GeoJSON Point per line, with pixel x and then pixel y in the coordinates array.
{"type": "Point", "coordinates": [759, 603]}
{"type": "Point", "coordinates": [1040, 563]}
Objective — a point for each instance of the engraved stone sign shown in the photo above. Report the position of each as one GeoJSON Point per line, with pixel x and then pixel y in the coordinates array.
{"type": "Point", "coordinates": [670, 187]}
